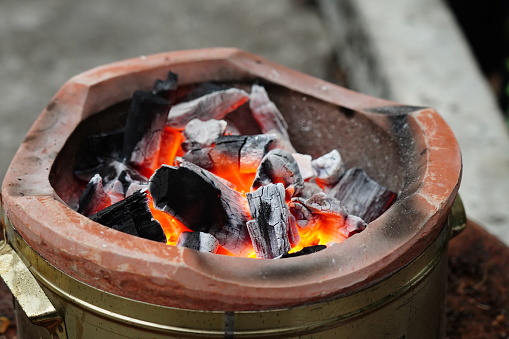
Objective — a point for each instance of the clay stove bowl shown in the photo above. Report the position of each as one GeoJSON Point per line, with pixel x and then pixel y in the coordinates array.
{"type": "Point", "coordinates": [408, 149]}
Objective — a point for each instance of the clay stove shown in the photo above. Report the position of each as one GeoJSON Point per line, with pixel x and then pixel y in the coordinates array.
{"type": "Point", "coordinates": [108, 283]}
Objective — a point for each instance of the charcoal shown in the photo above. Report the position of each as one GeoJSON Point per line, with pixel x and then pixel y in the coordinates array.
{"type": "Point", "coordinates": [361, 195]}
{"type": "Point", "coordinates": [270, 225]}
{"type": "Point", "coordinates": [166, 88]}
{"type": "Point", "coordinates": [115, 190]}
{"type": "Point", "coordinates": [353, 225]}
{"type": "Point", "coordinates": [203, 89]}
{"type": "Point", "coordinates": [146, 120]}
{"type": "Point", "coordinates": [329, 168]}
{"type": "Point", "coordinates": [304, 161]}
{"type": "Point", "coordinates": [310, 188]}
{"type": "Point", "coordinates": [231, 129]}
{"type": "Point", "coordinates": [201, 157]}
{"type": "Point", "coordinates": [136, 186]}
{"type": "Point", "coordinates": [204, 133]}
{"type": "Point", "coordinates": [203, 203]}
{"type": "Point", "coordinates": [93, 198]}
{"type": "Point", "coordinates": [238, 152]}
{"type": "Point", "coordinates": [97, 151]}
{"type": "Point", "coordinates": [269, 118]}
{"type": "Point", "coordinates": [117, 177]}
{"type": "Point", "coordinates": [200, 241]}
{"type": "Point", "coordinates": [279, 166]}
{"type": "Point", "coordinates": [215, 105]}
{"type": "Point", "coordinates": [293, 230]}
{"type": "Point", "coordinates": [132, 216]}
{"type": "Point", "coordinates": [253, 151]}
{"type": "Point", "coordinates": [116, 170]}
{"type": "Point", "coordinates": [305, 251]}
{"type": "Point", "coordinates": [319, 209]}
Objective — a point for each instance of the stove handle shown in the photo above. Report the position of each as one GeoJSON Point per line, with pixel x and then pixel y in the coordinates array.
{"type": "Point", "coordinates": [457, 219]}
{"type": "Point", "coordinates": [26, 290]}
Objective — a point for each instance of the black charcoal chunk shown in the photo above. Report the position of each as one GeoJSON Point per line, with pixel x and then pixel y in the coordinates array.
{"type": "Point", "coordinates": [270, 225]}
{"type": "Point", "coordinates": [146, 120]}
{"type": "Point", "coordinates": [97, 151]}
{"type": "Point", "coordinates": [117, 177]}
{"type": "Point", "coordinates": [132, 216]}
{"type": "Point", "coordinates": [361, 195]}
{"type": "Point", "coordinates": [279, 166]}
{"type": "Point", "coordinates": [94, 198]}
{"type": "Point", "coordinates": [304, 251]}
{"type": "Point", "coordinates": [200, 241]}
{"type": "Point", "coordinates": [166, 88]}
{"type": "Point", "coordinates": [203, 203]}
{"type": "Point", "coordinates": [215, 105]}
{"type": "Point", "coordinates": [269, 118]}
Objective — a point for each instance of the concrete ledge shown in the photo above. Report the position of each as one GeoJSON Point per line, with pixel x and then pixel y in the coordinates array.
{"type": "Point", "coordinates": [413, 52]}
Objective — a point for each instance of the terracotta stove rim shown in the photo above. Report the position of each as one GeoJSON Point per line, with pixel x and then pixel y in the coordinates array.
{"type": "Point", "coordinates": [75, 111]}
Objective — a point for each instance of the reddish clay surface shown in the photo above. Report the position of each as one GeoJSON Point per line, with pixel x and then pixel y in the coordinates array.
{"type": "Point", "coordinates": [424, 164]}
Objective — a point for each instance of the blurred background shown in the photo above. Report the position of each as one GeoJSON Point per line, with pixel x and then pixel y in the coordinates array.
{"type": "Point", "coordinates": [450, 55]}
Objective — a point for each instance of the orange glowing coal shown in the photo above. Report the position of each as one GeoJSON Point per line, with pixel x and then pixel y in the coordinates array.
{"type": "Point", "coordinates": [323, 232]}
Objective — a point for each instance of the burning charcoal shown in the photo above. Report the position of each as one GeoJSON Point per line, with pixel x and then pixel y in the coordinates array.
{"type": "Point", "coordinates": [203, 89]}
{"type": "Point", "coordinates": [115, 190]}
{"type": "Point", "coordinates": [166, 88]}
{"type": "Point", "coordinates": [203, 242]}
{"type": "Point", "coordinates": [97, 151]}
{"type": "Point", "coordinates": [304, 161]}
{"type": "Point", "coordinates": [329, 168]}
{"type": "Point", "coordinates": [204, 133]}
{"type": "Point", "coordinates": [253, 151]}
{"type": "Point", "coordinates": [145, 123]}
{"type": "Point", "coordinates": [215, 105]}
{"type": "Point", "coordinates": [239, 152]}
{"type": "Point", "coordinates": [203, 203]}
{"type": "Point", "coordinates": [132, 216]}
{"type": "Point", "coordinates": [353, 225]}
{"type": "Point", "coordinates": [116, 170]}
{"type": "Point", "coordinates": [305, 251]}
{"type": "Point", "coordinates": [271, 221]}
{"type": "Point", "coordinates": [201, 158]}
{"type": "Point", "coordinates": [279, 166]}
{"type": "Point", "coordinates": [319, 209]}
{"type": "Point", "coordinates": [310, 188]}
{"type": "Point", "coordinates": [117, 177]}
{"type": "Point", "coordinates": [301, 213]}
{"type": "Point", "coordinates": [361, 195]}
{"type": "Point", "coordinates": [269, 118]}
{"type": "Point", "coordinates": [136, 186]}
{"type": "Point", "coordinates": [93, 198]}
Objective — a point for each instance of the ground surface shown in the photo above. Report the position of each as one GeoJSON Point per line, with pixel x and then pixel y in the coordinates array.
{"type": "Point", "coordinates": [478, 298]}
